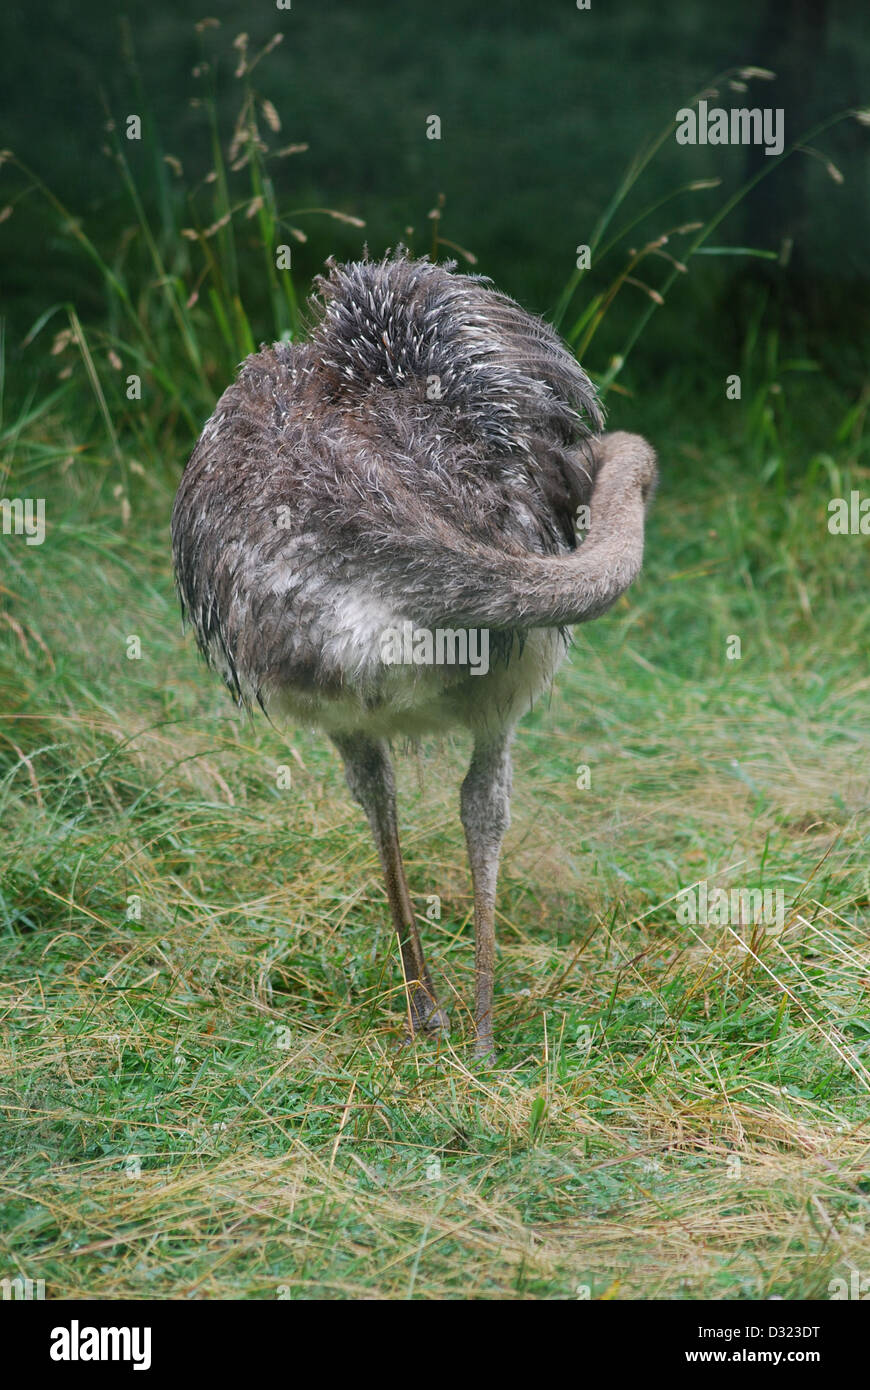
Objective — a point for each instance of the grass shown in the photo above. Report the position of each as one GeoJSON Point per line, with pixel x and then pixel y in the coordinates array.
{"type": "Point", "coordinates": [202, 1090]}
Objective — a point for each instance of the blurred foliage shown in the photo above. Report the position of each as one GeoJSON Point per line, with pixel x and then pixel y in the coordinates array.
{"type": "Point", "coordinates": [541, 107]}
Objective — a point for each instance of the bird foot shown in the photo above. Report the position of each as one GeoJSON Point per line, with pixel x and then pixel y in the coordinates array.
{"type": "Point", "coordinates": [437, 1022]}
{"type": "Point", "coordinates": [427, 1017]}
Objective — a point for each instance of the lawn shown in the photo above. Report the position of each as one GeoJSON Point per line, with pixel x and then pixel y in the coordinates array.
{"type": "Point", "coordinates": [203, 1088]}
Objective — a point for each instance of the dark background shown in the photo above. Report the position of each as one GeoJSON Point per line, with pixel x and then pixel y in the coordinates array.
{"type": "Point", "coordinates": [542, 106]}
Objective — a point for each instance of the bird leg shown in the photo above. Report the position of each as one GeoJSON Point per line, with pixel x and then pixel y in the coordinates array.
{"type": "Point", "coordinates": [369, 774]}
{"type": "Point", "coordinates": [485, 806]}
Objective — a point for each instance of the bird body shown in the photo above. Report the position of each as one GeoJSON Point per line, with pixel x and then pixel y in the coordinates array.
{"type": "Point", "coordinates": [417, 465]}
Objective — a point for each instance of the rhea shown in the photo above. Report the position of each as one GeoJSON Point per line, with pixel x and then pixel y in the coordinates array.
{"type": "Point", "coordinates": [430, 460]}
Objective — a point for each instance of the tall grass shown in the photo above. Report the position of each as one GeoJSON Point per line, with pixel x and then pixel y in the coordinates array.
{"type": "Point", "coordinates": [692, 236]}
{"type": "Point", "coordinates": [177, 284]}
{"type": "Point", "coordinates": [175, 311]}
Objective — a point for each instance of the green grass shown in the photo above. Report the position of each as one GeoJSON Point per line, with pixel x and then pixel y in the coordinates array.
{"type": "Point", "coordinates": [210, 1101]}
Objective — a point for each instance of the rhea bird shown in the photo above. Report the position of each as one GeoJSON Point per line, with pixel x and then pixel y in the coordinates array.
{"type": "Point", "coordinates": [419, 464]}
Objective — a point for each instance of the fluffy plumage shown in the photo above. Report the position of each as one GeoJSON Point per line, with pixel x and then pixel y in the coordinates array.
{"type": "Point", "coordinates": [407, 463]}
